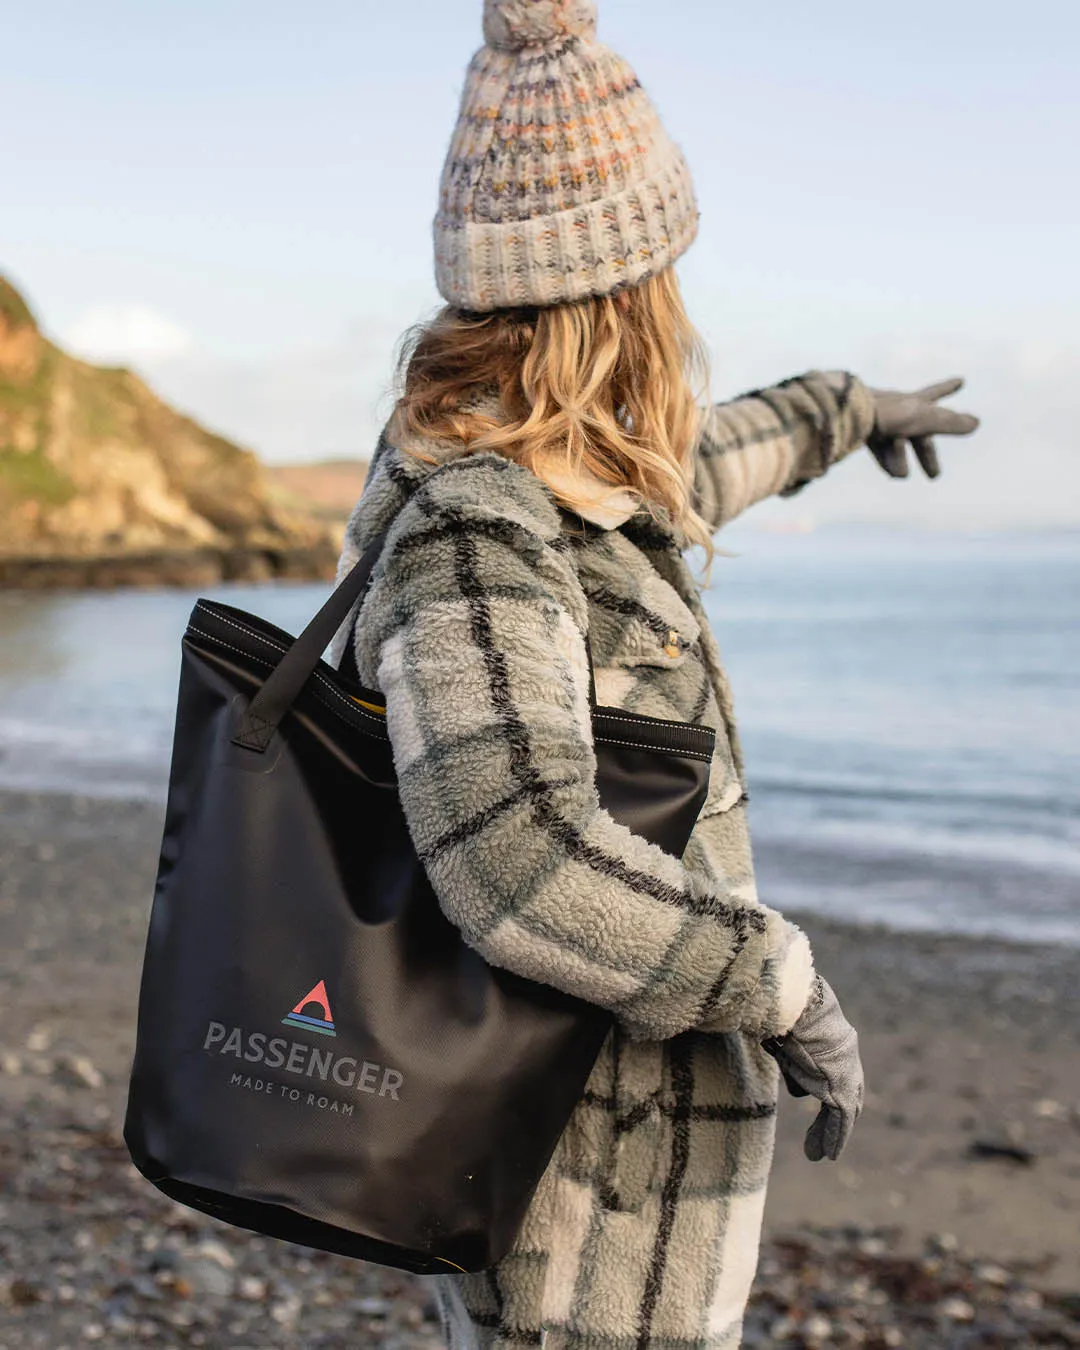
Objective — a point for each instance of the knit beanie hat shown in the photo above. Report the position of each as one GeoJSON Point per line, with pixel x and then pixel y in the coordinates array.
{"type": "Point", "coordinates": [560, 181]}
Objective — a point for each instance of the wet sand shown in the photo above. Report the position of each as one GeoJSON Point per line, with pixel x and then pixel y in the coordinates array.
{"type": "Point", "coordinates": [972, 1051]}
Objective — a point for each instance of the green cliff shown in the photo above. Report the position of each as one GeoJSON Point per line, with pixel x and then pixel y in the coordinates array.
{"type": "Point", "coordinates": [103, 483]}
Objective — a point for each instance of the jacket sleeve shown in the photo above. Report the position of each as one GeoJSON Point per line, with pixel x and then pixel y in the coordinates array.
{"type": "Point", "coordinates": [774, 441]}
{"type": "Point", "coordinates": [477, 625]}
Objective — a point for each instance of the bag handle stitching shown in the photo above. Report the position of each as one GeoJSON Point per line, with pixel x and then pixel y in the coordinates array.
{"type": "Point", "coordinates": [276, 646]}
{"type": "Point", "coordinates": [607, 740]}
{"type": "Point", "coordinates": [665, 750]}
{"type": "Point", "coordinates": [210, 637]}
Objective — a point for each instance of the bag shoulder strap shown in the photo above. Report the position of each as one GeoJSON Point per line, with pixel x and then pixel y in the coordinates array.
{"type": "Point", "coordinates": [281, 688]}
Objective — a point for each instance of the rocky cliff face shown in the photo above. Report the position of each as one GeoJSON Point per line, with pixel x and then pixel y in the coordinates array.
{"type": "Point", "coordinates": [101, 482]}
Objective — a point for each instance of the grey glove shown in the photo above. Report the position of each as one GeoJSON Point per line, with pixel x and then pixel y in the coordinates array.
{"type": "Point", "coordinates": [820, 1056]}
{"type": "Point", "coordinates": [899, 418]}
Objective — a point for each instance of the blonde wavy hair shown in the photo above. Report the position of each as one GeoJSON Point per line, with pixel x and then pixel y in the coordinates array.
{"type": "Point", "coordinates": [610, 385]}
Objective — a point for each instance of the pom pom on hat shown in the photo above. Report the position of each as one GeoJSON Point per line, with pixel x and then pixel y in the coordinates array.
{"type": "Point", "coordinates": [538, 210]}
{"type": "Point", "coordinates": [512, 25]}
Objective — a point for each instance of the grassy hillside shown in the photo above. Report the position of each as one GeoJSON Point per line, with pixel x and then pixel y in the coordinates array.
{"type": "Point", "coordinates": [326, 488]}
{"type": "Point", "coordinates": [94, 465]}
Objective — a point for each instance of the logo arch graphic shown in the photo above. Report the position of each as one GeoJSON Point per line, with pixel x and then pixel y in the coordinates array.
{"type": "Point", "coordinates": [298, 1018]}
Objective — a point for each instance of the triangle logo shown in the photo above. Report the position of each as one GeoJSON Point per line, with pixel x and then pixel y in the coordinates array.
{"type": "Point", "coordinates": [300, 1018]}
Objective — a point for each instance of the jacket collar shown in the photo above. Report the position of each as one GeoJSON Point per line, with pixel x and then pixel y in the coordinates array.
{"type": "Point", "coordinates": [599, 502]}
{"type": "Point", "coordinates": [603, 505]}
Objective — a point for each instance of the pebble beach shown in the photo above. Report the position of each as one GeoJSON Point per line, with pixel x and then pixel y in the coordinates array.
{"type": "Point", "coordinates": [953, 1220]}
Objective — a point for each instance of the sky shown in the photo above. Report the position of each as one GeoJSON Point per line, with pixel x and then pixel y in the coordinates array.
{"type": "Point", "coordinates": [236, 198]}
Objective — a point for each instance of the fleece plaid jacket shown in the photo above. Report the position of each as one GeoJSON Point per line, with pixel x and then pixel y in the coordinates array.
{"type": "Point", "coordinates": [644, 1232]}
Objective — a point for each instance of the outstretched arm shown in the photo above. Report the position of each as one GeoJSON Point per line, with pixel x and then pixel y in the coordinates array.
{"type": "Point", "coordinates": [774, 441]}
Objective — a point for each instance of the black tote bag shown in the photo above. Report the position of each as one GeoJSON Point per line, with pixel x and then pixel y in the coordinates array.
{"type": "Point", "coordinates": [320, 1057]}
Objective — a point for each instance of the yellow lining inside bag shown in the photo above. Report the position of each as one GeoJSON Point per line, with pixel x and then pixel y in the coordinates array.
{"type": "Point", "coordinates": [371, 707]}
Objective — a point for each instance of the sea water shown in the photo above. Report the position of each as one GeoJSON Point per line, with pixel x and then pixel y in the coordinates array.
{"type": "Point", "coordinates": [909, 706]}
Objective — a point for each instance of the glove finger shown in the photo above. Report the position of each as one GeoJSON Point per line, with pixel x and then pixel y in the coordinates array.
{"type": "Point", "coordinates": [931, 420]}
{"type": "Point", "coordinates": [827, 1134]}
{"type": "Point", "coordinates": [891, 454]}
{"type": "Point", "coordinates": [897, 456]}
{"type": "Point", "coordinates": [814, 1143]}
{"type": "Point", "coordinates": [926, 454]}
{"type": "Point", "coordinates": [942, 389]}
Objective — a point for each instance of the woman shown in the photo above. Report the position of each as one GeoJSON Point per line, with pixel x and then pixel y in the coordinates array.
{"type": "Point", "coordinates": [543, 472]}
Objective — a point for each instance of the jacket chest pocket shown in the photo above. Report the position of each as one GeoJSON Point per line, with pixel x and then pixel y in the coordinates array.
{"type": "Point", "coordinates": [648, 658]}
{"type": "Point", "coordinates": [649, 626]}
{"type": "Point", "coordinates": [650, 673]}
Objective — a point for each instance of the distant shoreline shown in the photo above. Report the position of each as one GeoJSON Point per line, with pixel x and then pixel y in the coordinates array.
{"type": "Point", "coordinates": [324, 491]}
{"type": "Point", "coordinates": [181, 568]}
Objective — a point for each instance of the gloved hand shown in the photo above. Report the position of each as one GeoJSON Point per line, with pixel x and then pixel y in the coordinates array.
{"type": "Point", "coordinates": [820, 1056]}
{"type": "Point", "coordinates": [900, 418]}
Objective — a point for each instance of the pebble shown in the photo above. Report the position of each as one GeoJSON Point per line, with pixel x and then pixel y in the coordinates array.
{"type": "Point", "coordinates": [1007, 1149]}
{"type": "Point", "coordinates": [816, 1327]}
{"type": "Point", "coordinates": [217, 1251]}
{"type": "Point", "coordinates": [287, 1311]}
{"type": "Point", "coordinates": [77, 1071]}
{"type": "Point", "coordinates": [1049, 1109]}
{"type": "Point", "coordinates": [957, 1310]}
{"type": "Point", "coordinates": [991, 1274]}
{"type": "Point", "coordinates": [203, 1277]}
